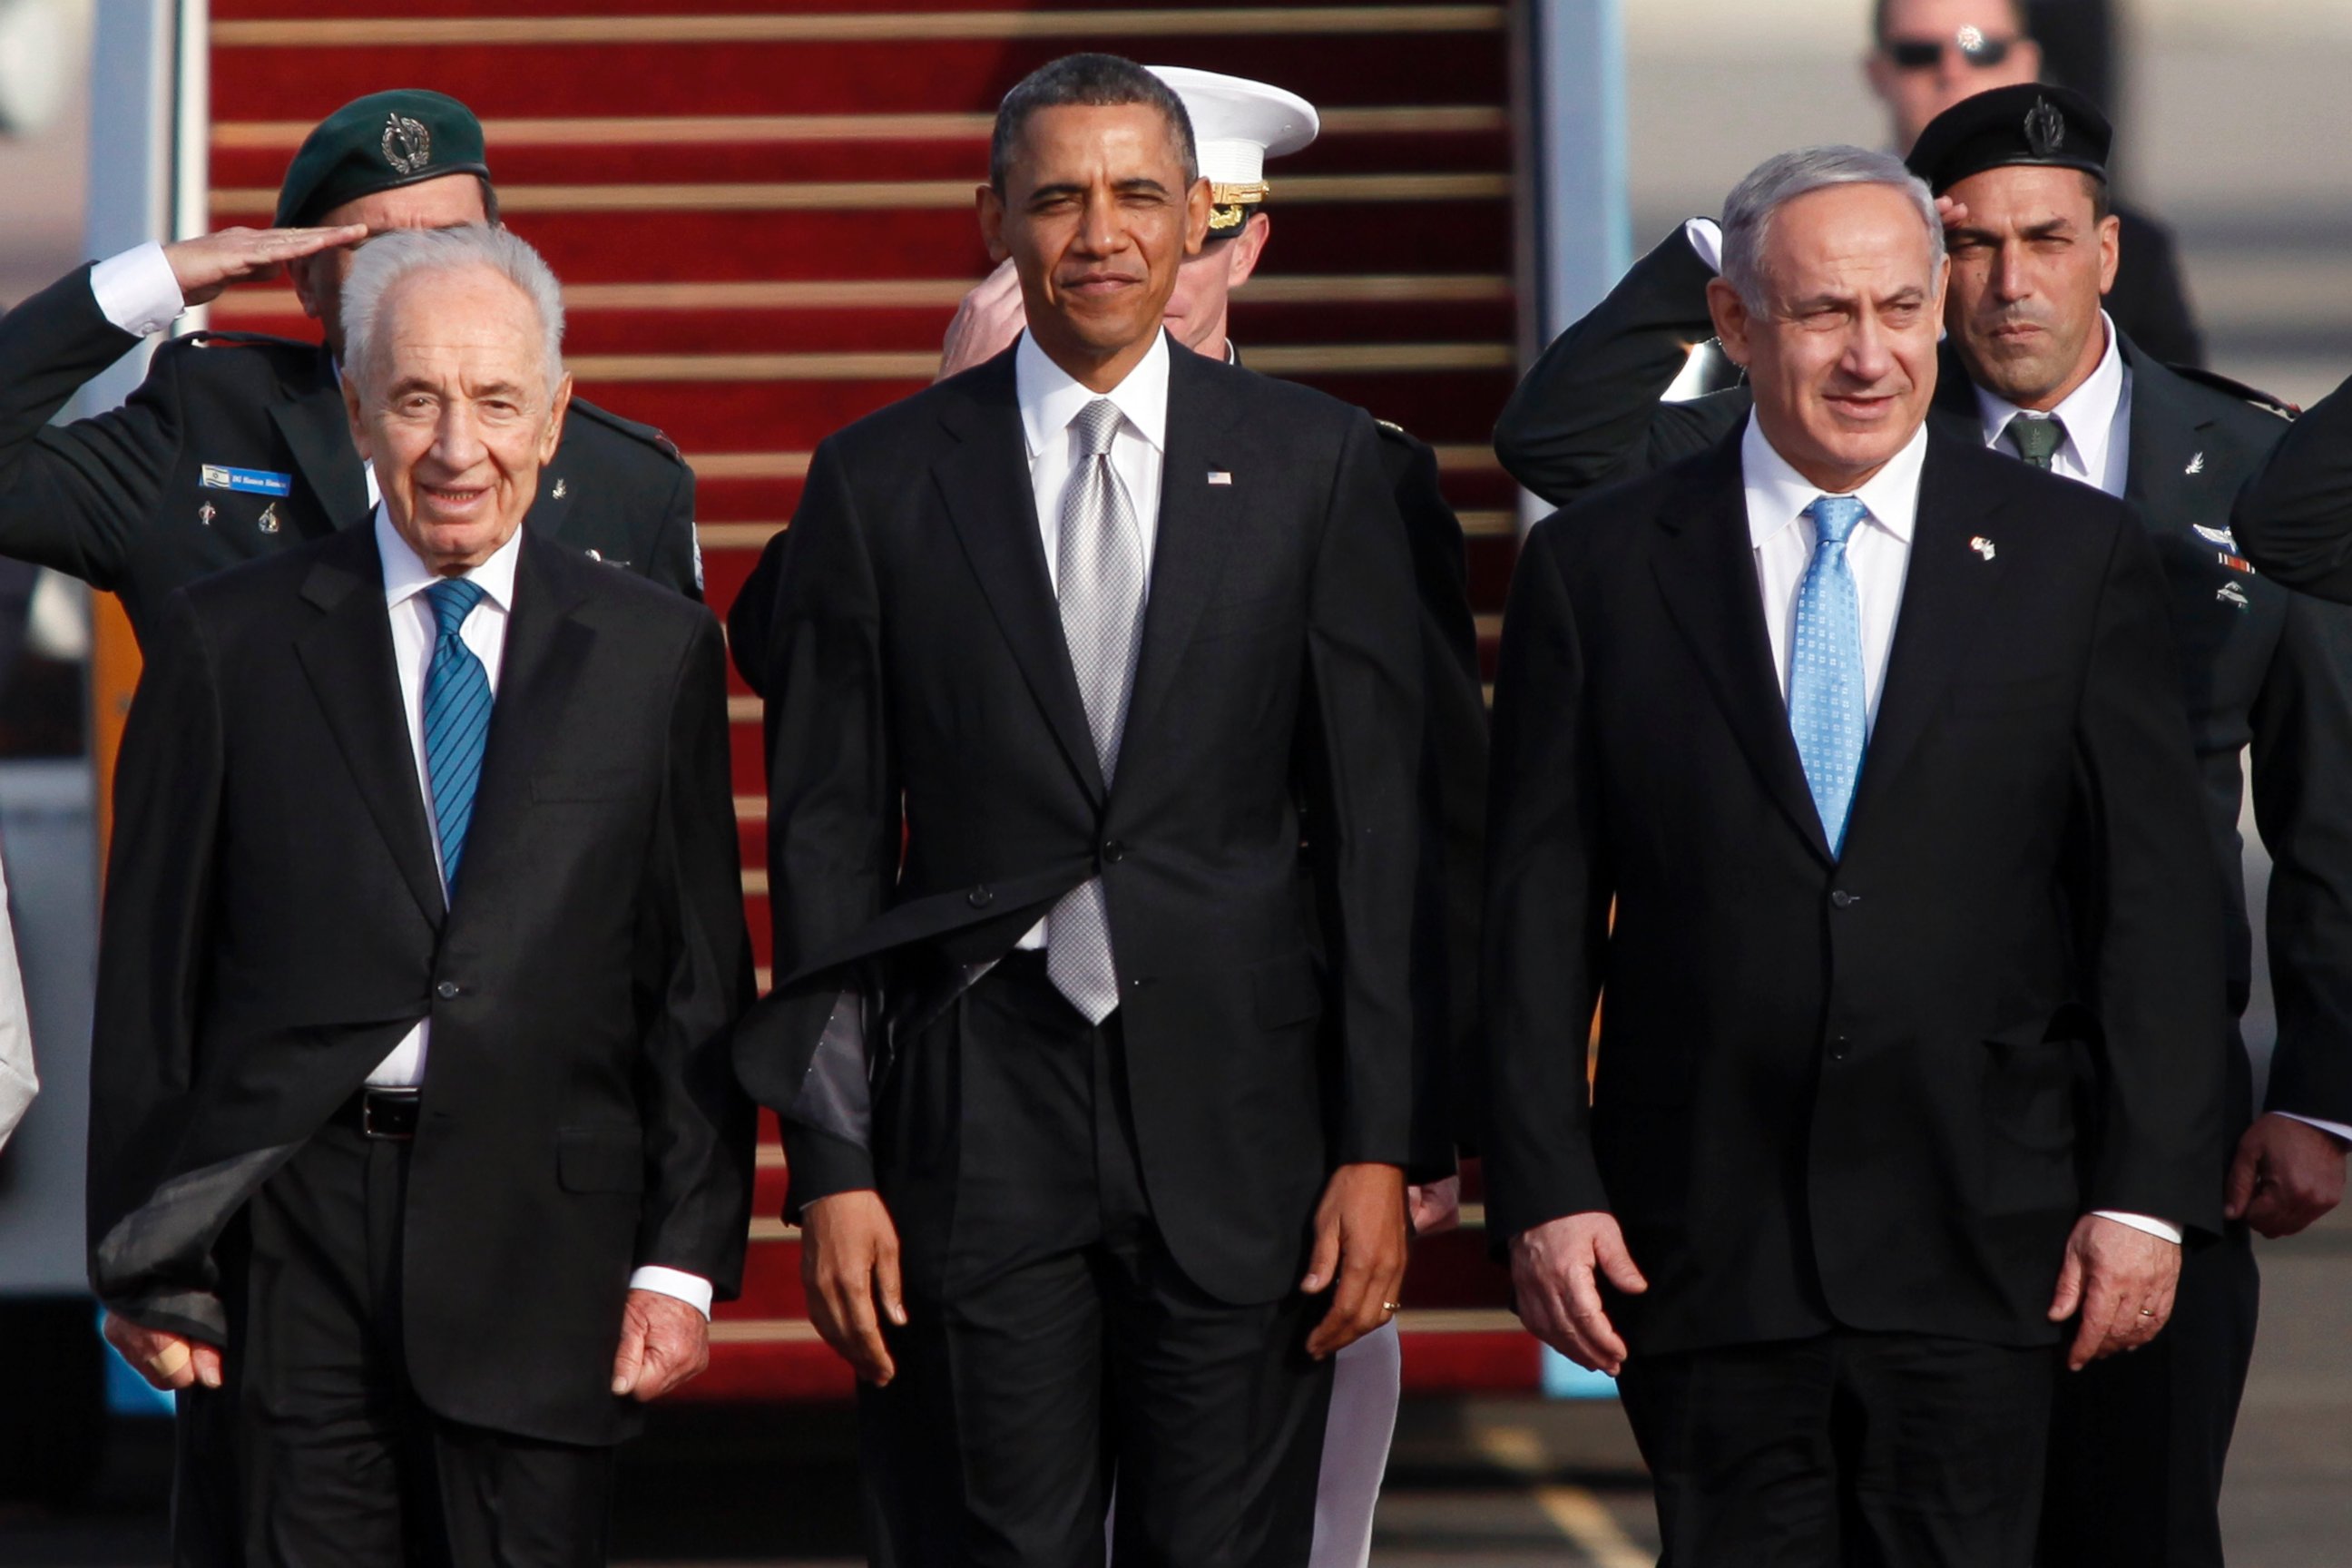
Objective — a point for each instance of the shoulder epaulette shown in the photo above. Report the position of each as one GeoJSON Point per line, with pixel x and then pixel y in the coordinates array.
{"type": "Point", "coordinates": [629, 428]}
{"type": "Point", "coordinates": [1391, 430]}
{"type": "Point", "coordinates": [2251, 395]}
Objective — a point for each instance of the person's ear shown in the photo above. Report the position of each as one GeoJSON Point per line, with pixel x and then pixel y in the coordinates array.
{"type": "Point", "coordinates": [314, 282]}
{"type": "Point", "coordinates": [552, 436]}
{"type": "Point", "coordinates": [990, 209]}
{"type": "Point", "coordinates": [2111, 251]}
{"type": "Point", "coordinates": [1246, 247]}
{"type": "Point", "coordinates": [1733, 324]}
{"type": "Point", "coordinates": [1196, 216]}
{"type": "Point", "coordinates": [360, 438]}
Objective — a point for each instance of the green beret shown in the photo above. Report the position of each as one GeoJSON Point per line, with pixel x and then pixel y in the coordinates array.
{"type": "Point", "coordinates": [379, 143]}
{"type": "Point", "coordinates": [2030, 125]}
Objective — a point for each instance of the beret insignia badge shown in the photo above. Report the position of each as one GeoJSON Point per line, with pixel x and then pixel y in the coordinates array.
{"type": "Point", "coordinates": [2046, 128]}
{"type": "Point", "coordinates": [407, 145]}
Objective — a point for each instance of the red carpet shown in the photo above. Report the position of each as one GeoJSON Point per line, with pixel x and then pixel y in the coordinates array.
{"type": "Point", "coordinates": [763, 215]}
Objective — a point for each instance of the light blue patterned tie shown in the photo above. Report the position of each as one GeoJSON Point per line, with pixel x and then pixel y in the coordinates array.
{"type": "Point", "coordinates": [1828, 709]}
{"type": "Point", "coordinates": [456, 720]}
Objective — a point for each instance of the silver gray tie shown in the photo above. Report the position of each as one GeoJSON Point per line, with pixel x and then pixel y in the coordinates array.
{"type": "Point", "coordinates": [1098, 578]}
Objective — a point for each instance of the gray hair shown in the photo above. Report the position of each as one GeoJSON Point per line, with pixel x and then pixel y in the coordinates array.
{"type": "Point", "coordinates": [1782, 178]}
{"type": "Point", "coordinates": [386, 261]}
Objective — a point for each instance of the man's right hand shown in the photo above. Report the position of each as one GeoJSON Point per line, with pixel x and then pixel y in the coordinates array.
{"type": "Point", "coordinates": [167, 1360]}
{"type": "Point", "coordinates": [986, 324]}
{"type": "Point", "coordinates": [210, 263]}
{"type": "Point", "coordinates": [1556, 1269]}
{"type": "Point", "coordinates": [849, 1259]}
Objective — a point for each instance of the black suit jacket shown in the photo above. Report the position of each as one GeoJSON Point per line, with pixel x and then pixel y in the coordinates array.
{"type": "Point", "coordinates": [2294, 520]}
{"type": "Point", "coordinates": [2262, 667]}
{"type": "Point", "coordinates": [916, 680]}
{"type": "Point", "coordinates": [118, 501]}
{"type": "Point", "coordinates": [1875, 1090]}
{"type": "Point", "coordinates": [274, 923]}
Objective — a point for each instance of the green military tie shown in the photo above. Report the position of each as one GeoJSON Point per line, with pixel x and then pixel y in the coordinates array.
{"type": "Point", "coordinates": [2036, 440]}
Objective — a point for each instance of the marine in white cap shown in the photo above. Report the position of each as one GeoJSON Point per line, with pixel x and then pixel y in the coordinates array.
{"type": "Point", "coordinates": [1237, 125]}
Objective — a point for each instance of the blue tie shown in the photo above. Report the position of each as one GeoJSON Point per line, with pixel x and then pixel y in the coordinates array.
{"type": "Point", "coordinates": [457, 719]}
{"type": "Point", "coordinates": [1827, 709]}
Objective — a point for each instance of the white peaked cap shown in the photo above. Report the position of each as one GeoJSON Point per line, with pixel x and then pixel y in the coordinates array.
{"type": "Point", "coordinates": [1239, 123]}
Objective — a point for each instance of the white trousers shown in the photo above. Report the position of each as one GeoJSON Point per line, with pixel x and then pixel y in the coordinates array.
{"type": "Point", "coordinates": [1367, 1383]}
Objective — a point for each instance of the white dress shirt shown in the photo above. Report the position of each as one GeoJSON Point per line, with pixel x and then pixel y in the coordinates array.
{"type": "Point", "coordinates": [2097, 417]}
{"type": "Point", "coordinates": [19, 1082]}
{"type": "Point", "coordinates": [1878, 550]}
{"type": "Point", "coordinates": [1050, 398]}
{"type": "Point", "coordinates": [415, 630]}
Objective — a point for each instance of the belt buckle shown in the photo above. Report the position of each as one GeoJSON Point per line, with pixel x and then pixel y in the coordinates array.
{"type": "Point", "coordinates": [370, 1100]}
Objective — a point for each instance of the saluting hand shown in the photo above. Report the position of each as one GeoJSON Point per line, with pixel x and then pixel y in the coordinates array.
{"type": "Point", "coordinates": [1556, 1270]}
{"type": "Point", "coordinates": [1360, 1240]}
{"type": "Point", "coordinates": [210, 262]}
{"type": "Point", "coordinates": [167, 1360]}
{"type": "Point", "coordinates": [986, 324]}
{"type": "Point", "coordinates": [665, 1344]}
{"type": "Point", "coordinates": [849, 1257]}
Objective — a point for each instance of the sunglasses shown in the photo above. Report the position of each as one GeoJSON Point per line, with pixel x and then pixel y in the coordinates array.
{"type": "Point", "coordinates": [1927, 54]}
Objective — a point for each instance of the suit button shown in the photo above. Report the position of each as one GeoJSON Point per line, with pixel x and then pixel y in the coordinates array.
{"type": "Point", "coordinates": [1839, 1046]}
{"type": "Point", "coordinates": [1844, 900]}
{"type": "Point", "coordinates": [1114, 852]}
{"type": "Point", "coordinates": [449, 990]}
{"type": "Point", "coordinates": [980, 898]}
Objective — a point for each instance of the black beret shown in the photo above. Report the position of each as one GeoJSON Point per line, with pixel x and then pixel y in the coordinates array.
{"type": "Point", "coordinates": [2037, 126]}
{"type": "Point", "coordinates": [379, 143]}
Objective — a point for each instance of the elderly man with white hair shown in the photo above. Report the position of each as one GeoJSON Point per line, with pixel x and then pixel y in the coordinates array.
{"type": "Point", "coordinates": [414, 1145]}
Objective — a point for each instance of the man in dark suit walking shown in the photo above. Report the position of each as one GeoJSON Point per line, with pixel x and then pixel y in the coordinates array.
{"type": "Point", "coordinates": [236, 445]}
{"type": "Point", "coordinates": [415, 1144]}
{"type": "Point", "coordinates": [1871, 742]}
{"type": "Point", "coordinates": [2033, 368]}
{"type": "Point", "coordinates": [1063, 648]}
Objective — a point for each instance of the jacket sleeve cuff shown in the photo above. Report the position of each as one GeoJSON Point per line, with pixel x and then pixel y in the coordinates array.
{"type": "Point", "coordinates": [821, 1164]}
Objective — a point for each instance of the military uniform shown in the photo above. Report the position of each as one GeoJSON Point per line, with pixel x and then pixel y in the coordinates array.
{"type": "Point", "coordinates": [2138, 1441]}
{"type": "Point", "coordinates": [238, 446]}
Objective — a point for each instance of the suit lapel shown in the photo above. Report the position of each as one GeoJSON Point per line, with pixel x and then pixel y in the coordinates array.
{"type": "Point", "coordinates": [318, 432]}
{"type": "Point", "coordinates": [1945, 588]}
{"type": "Point", "coordinates": [347, 655]}
{"type": "Point", "coordinates": [1196, 526]}
{"type": "Point", "coordinates": [546, 647]}
{"type": "Point", "coordinates": [2165, 475]}
{"type": "Point", "coordinates": [984, 480]}
{"type": "Point", "coordinates": [1706, 573]}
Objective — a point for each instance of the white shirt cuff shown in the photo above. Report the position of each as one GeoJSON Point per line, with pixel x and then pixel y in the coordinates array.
{"type": "Point", "coordinates": [691, 1289]}
{"type": "Point", "coordinates": [2333, 1129]}
{"type": "Point", "coordinates": [137, 291]}
{"type": "Point", "coordinates": [1705, 237]}
{"type": "Point", "coordinates": [2154, 1227]}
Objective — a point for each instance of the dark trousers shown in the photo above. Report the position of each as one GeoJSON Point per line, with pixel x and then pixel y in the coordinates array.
{"type": "Point", "coordinates": [318, 1451]}
{"type": "Point", "coordinates": [2138, 1441]}
{"type": "Point", "coordinates": [1873, 1450]}
{"type": "Point", "coordinates": [1053, 1347]}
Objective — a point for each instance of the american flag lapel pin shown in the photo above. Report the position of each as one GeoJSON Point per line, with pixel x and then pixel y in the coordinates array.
{"type": "Point", "coordinates": [1220, 477]}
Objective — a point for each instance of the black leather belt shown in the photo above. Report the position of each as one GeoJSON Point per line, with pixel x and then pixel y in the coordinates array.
{"type": "Point", "coordinates": [381, 1113]}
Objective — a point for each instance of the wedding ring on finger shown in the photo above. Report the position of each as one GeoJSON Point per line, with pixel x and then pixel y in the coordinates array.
{"type": "Point", "coordinates": [1391, 1308]}
{"type": "Point", "coordinates": [2146, 1312]}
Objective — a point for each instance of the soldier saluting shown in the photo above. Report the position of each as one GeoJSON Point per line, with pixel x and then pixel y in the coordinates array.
{"type": "Point", "coordinates": [237, 445]}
